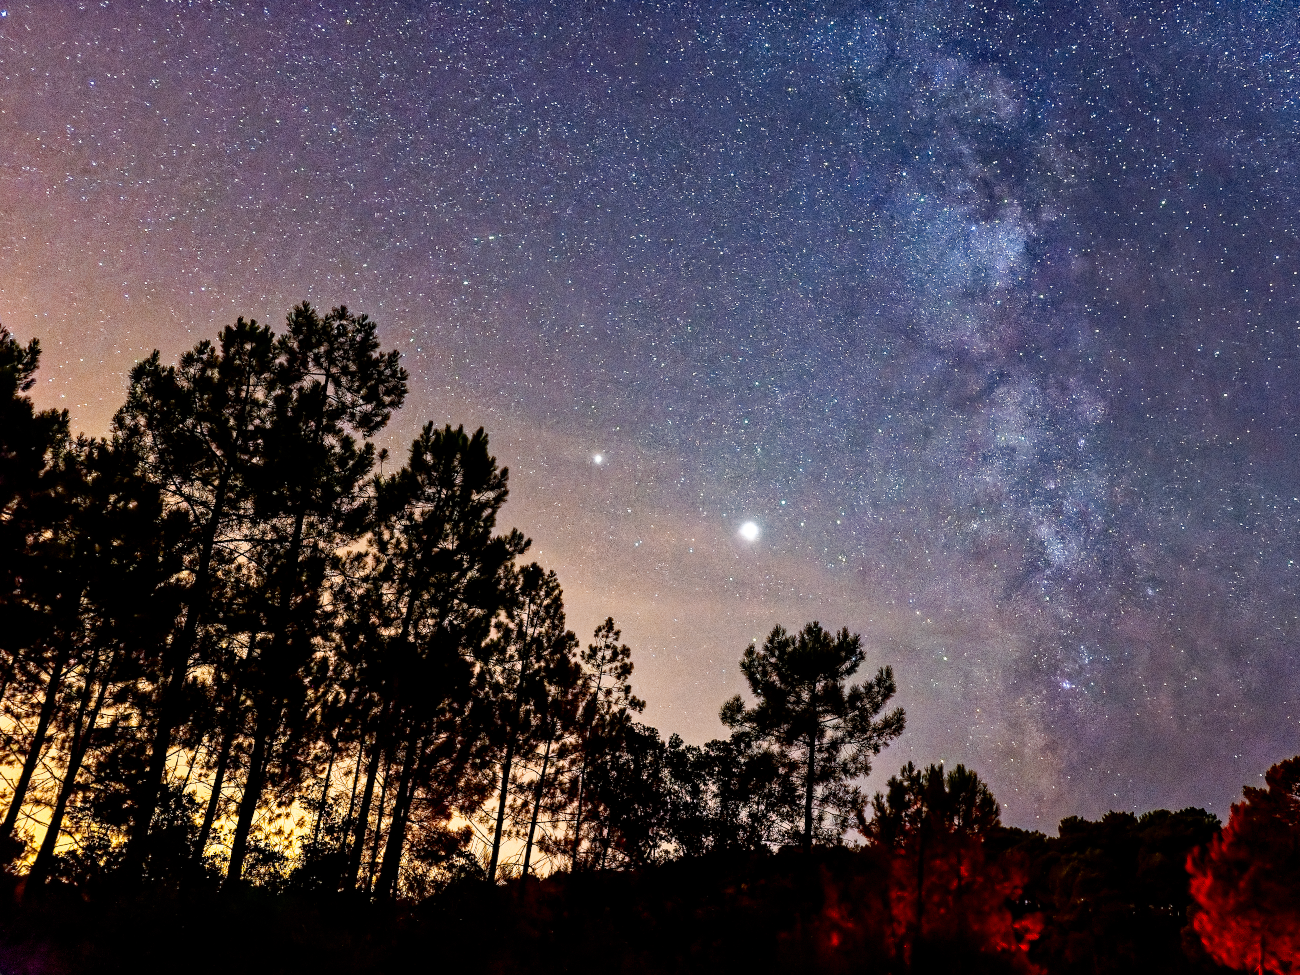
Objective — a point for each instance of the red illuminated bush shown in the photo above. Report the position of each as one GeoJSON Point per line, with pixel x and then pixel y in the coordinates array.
{"type": "Point", "coordinates": [950, 901]}
{"type": "Point", "coordinates": [1246, 883]}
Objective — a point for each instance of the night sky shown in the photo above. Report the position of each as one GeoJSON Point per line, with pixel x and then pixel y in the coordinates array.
{"type": "Point", "coordinates": [986, 315]}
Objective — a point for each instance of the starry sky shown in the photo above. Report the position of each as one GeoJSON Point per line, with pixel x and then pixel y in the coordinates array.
{"type": "Point", "coordinates": [986, 315]}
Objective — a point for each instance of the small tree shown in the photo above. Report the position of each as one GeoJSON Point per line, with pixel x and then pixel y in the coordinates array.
{"type": "Point", "coordinates": [607, 671]}
{"type": "Point", "coordinates": [948, 898]}
{"type": "Point", "coordinates": [824, 729]}
{"type": "Point", "coordinates": [915, 800]}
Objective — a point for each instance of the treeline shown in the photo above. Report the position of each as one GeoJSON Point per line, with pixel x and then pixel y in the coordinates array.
{"type": "Point", "coordinates": [939, 886]}
{"type": "Point", "coordinates": [251, 672]}
{"type": "Point", "coordinates": [234, 649]}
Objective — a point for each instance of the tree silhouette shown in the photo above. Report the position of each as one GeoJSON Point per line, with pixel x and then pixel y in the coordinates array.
{"type": "Point", "coordinates": [915, 800]}
{"type": "Point", "coordinates": [728, 794]}
{"type": "Point", "coordinates": [30, 439]}
{"type": "Point", "coordinates": [31, 444]}
{"type": "Point", "coordinates": [199, 428]}
{"type": "Point", "coordinates": [949, 898]}
{"type": "Point", "coordinates": [121, 554]}
{"type": "Point", "coordinates": [428, 590]}
{"type": "Point", "coordinates": [607, 672]}
{"type": "Point", "coordinates": [1246, 883]}
{"type": "Point", "coordinates": [330, 384]}
{"type": "Point", "coordinates": [816, 722]}
{"type": "Point", "coordinates": [533, 645]}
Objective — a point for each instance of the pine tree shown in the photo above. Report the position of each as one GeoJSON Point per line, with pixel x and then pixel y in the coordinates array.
{"type": "Point", "coordinates": [31, 444]}
{"type": "Point", "coordinates": [821, 727]}
{"type": "Point", "coordinates": [427, 591]}
{"type": "Point", "coordinates": [124, 551]}
{"type": "Point", "coordinates": [330, 384]}
{"type": "Point", "coordinates": [532, 645]}
{"type": "Point", "coordinates": [605, 712]}
{"type": "Point", "coordinates": [199, 427]}
{"type": "Point", "coordinates": [1246, 882]}
{"type": "Point", "coordinates": [917, 800]}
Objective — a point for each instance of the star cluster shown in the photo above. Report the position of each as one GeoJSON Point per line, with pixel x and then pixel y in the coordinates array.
{"type": "Point", "coordinates": [971, 327]}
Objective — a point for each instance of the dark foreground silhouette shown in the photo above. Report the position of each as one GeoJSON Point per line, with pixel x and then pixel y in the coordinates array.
{"type": "Point", "coordinates": [1109, 896]}
{"type": "Point", "coordinates": [253, 686]}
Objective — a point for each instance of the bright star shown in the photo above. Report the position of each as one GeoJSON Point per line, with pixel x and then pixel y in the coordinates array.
{"type": "Point", "coordinates": [598, 459]}
{"type": "Point", "coordinates": [749, 531]}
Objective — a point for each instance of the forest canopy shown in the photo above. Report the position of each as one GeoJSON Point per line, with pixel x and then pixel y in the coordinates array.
{"type": "Point", "coordinates": [232, 648]}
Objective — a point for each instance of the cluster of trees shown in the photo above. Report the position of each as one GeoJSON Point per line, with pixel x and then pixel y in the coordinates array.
{"type": "Point", "coordinates": [234, 650]}
{"type": "Point", "coordinates": [232, 645]}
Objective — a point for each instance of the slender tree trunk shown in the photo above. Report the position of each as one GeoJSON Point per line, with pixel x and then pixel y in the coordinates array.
{"type": "Point", "coordinates": [379, 825]}
{"type": "Point", "coordinates": [268, 714]}
{"type": "Point", "coordinates": [38, 743]}
{"type": "Point", "coordinates": [537, 803]}
{"type": "Point", "coordinates": [324, 795]}
{"type": "Point", "coordinates": [218, 780]}
{"type": "Point", "coordinates": [604, 843]}
{"type": "Point", "coordinates": [352, 798]}
{"type": "Point", "coordinates": [582, 778]}
{"type": "Point", "coordinates": [501, 805]}
{"type": "Point", "coordinates": [396, 840]}
{"type": "Point", "coordinates": [11, 664]}
{"type": "Point", "coordinates": [189, 766]}
{"type": "Point", "coordinates": [808, 785]}
{"type": "Point", "coordinates": [249, 801]}
{"type": "Point", "coordinates": [363, 817]}
{"type": "Point", "coordinates": [87, 717]}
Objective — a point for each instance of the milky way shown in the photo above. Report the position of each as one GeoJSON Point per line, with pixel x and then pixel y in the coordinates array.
{"type": "Point", "coordinates": [980, 320]}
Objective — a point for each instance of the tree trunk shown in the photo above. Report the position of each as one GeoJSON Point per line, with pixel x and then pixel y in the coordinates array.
{"type": "Point", "coordinates": [396, 840]}
{"type": "Point", "coordinates": [363, 817]}
{"type": "Point", "coordinates": [269, 713]}
{"type": "Point", "coordinates": [379, 824]}
{"type": "Point", "coordinates": [537, 804]}
{"type": "Point", "coordinates": [11, 664]}
{"type": "Point", "coordinates": [324, 795]}
{"type": "Point", "coordinates": [582, 778]}
{"type": "Point", "coordinates": [808, 785]}
{"type": "Point", "coordinates": [87, 716]}
{"type": "Point", "coordinates": [604, 843]}
{"type": "Point", "coordinates": [214, 800]}
{"type": "Point", "coordinates": [252, 796]}
{"type": "Point", "coordinates": [352, 798]}
{"type": "Point", "coordinates": [501, 806]}
{"type": "Point", "coordinates": [37, 745]}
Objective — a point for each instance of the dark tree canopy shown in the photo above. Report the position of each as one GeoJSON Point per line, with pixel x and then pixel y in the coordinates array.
{"type": "Point", "coordinates": [824, 729]}
{"type": "Point", "coordinates": [914, 799]}
{"type": "Point", "coordinates": [1246, 883]}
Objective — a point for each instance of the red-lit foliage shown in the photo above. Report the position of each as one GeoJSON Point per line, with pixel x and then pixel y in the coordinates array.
{"type": "Point", "coordinates": [966, 918]}
{"type": "Point", "coordinates": [966, 902]}
{"type": "Point", "coordinates": [1246, 883]}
